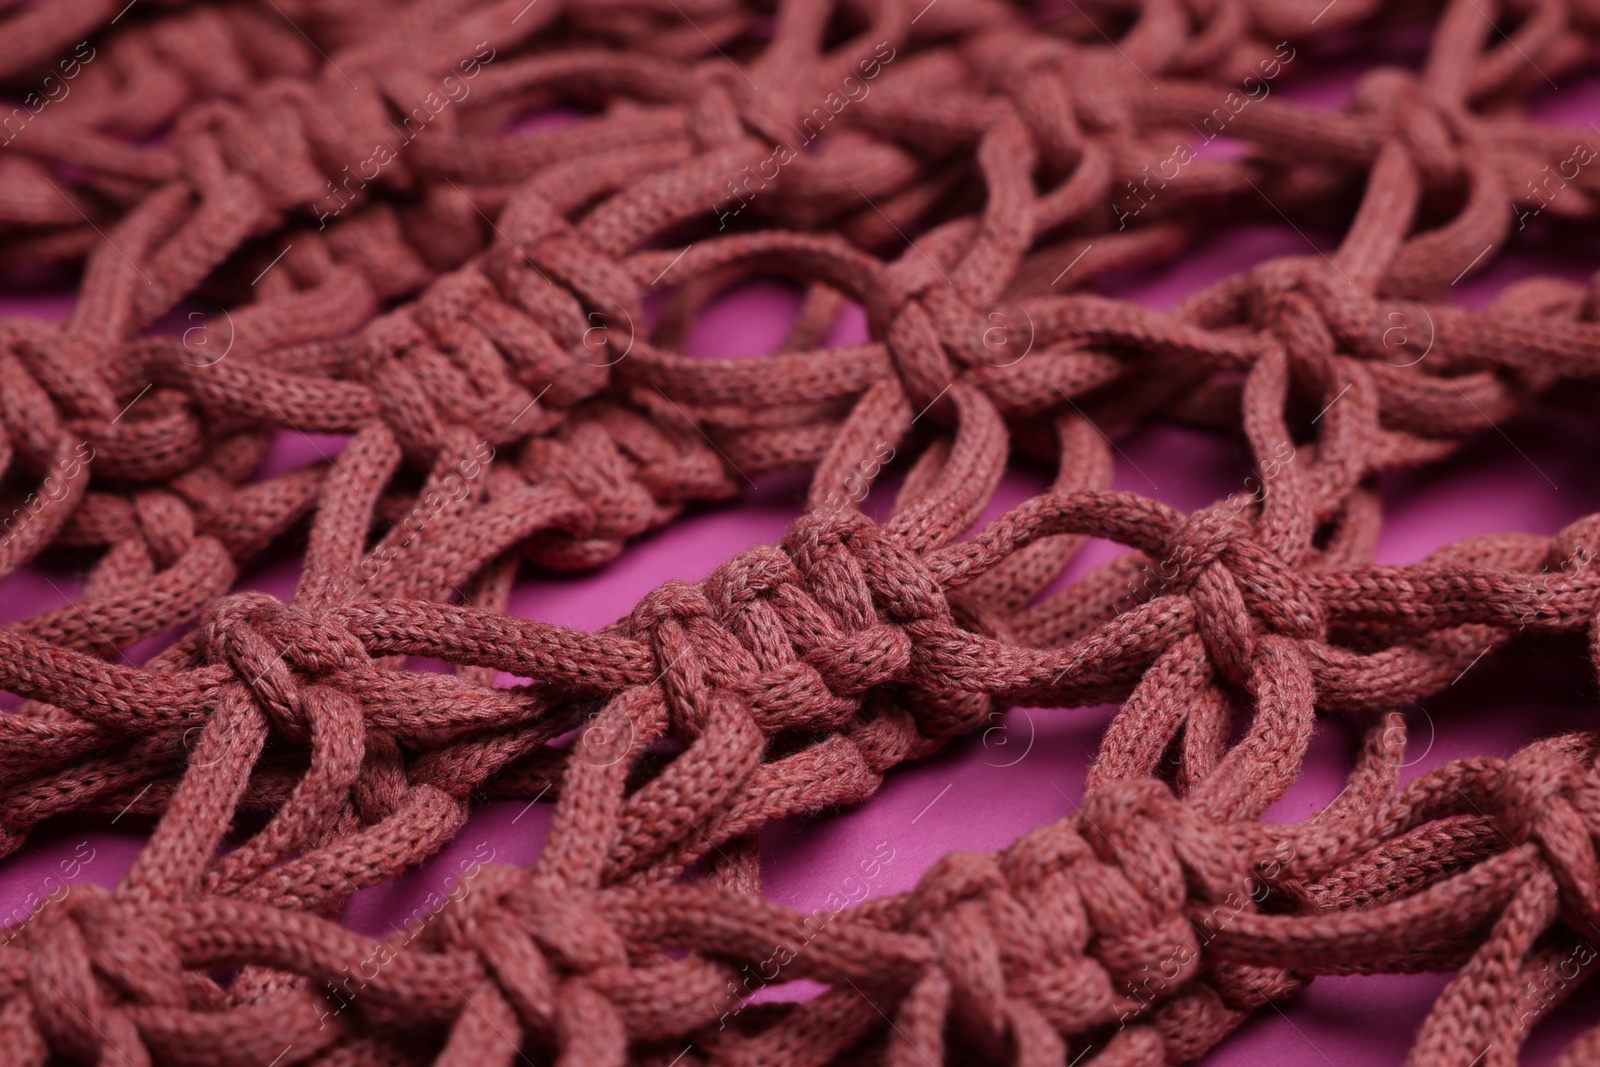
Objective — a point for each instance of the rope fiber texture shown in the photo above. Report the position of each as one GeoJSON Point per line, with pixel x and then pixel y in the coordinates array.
{"type": "Point", "coordinates": [372, 253]}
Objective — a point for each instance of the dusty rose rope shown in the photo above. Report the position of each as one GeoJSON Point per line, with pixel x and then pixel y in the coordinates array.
{"type": "Point", "coordinates": [469, 307]}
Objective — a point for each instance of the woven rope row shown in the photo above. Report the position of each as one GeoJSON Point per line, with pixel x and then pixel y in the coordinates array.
{"type": "Point", "coordinates": [380, 259]}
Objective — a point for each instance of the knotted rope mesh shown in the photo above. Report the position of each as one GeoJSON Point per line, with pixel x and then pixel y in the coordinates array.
{"type": "Point", "coordinates": [376, 256]}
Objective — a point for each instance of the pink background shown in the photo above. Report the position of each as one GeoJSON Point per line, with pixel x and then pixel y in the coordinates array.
{"type": "Point", "coordinates": [1534, 473]}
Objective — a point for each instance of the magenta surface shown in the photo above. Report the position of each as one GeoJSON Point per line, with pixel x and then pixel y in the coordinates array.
{"type": "Point", "coordinates": [1535, 474]}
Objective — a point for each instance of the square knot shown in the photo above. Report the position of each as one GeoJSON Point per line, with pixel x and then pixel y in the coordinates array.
{"type": "Point", "coordinates": [1295, 302]}
{"type": "Point", "coordinates": [934, 337]}
{"type": "Point", "coordinates": [426, 372]}
{"type": "Point", "coordinates": [1129, 823]}
{"type": "Point", "coordinates": [1423, 121]}
{"type": "Point", "coordinates": [954, 878]}
{"type": "Point", "coordinates": [1151, 857]}
{"type": "Point", "coordinates": [1549, 794]}
{"type": "Point", "coordinates": [55, 375]}
{"type": "Point", "coordinates": [900, 583]}
{"type": "Point", "coordinates": [271, 646]}
{"type": "Point", "coordinates": [1150, 960]}
{"type": "Point", "coordinates": [540, 941]}
{"type": "Point", "coordinates": [87, 954]}
{"type": "Point", "coordinates": [1240, 590]}
{"type": "Point", "coordinates": [955, 907]}
{"type": "Point", "coordinates": [920, 328]}
{"type": "Point", "coordinates": [673, 600]}
{"type": "Point", "coordinates": [167, 523]}
{"type": "Point", "coordinates": [798, 633]}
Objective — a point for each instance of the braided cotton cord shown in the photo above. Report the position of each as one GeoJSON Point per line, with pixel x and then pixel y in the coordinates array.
{"type": "Point", "coordinates": [377, 257]}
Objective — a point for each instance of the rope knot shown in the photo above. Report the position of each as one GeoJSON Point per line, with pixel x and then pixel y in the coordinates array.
{"type": "Point", "coordinates": [1239, 589]}
{"type": "Point", "coordinates": [538, 941]}
{"type": "Point", "coordinates": [924, 322]}
{"type": "Point", "coordinates": [88, 953]}
{"type": "Point", "coordinates": [1401, 99]}
{"type": "Point", "coordinates": [1548, 794]}
{"type": "Point", "coordinates": [1136, 892]}
{"type": "Point", "coordinates": [265, 642]}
